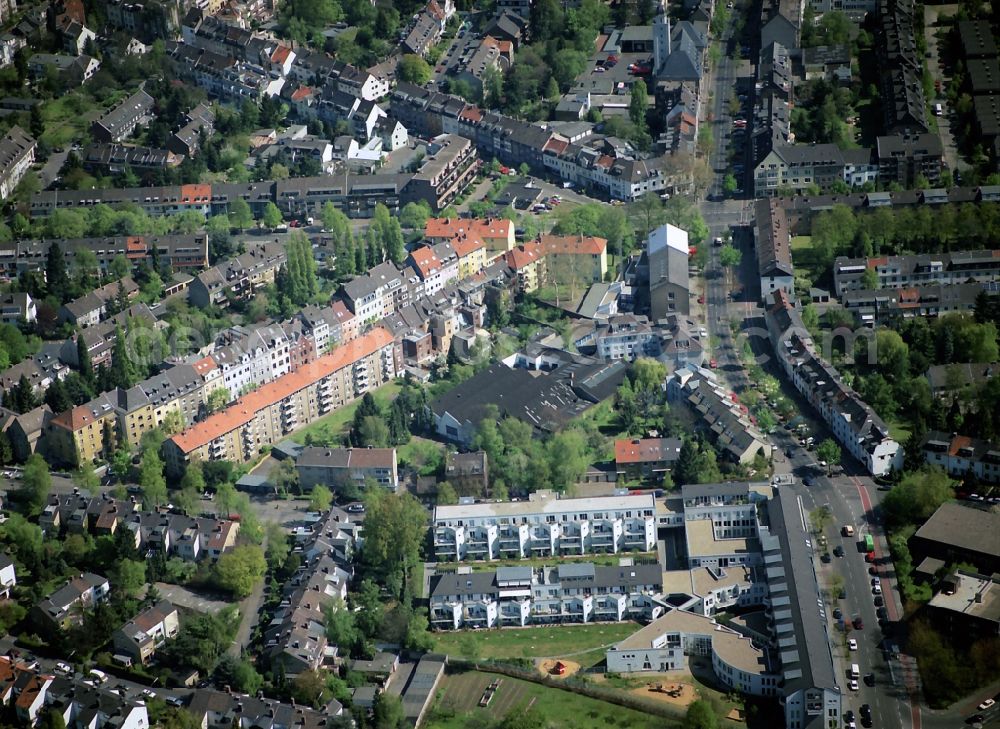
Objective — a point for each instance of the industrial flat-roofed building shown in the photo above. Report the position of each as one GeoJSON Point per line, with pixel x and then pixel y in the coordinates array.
{"type": "Point", "coordinates": [580, 592]}
{"type": "Point", "coordinates": [957, 533]}
{"type": "Point", "coordinates": [544, 526]}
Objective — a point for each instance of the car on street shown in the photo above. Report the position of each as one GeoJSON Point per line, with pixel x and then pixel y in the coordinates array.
{"type": "Point", "coordinates": [357, 508]}
{"type": "Point", "coordinates": [838, 551]}
{"type": "Point", "coordinates": [869, 680]}
{"type": "Point", "coordinates": [175, 701]}
{"type": "Point", "coordinates": [879, 602]}
{"type": "Point", "coordinates": [877, 588]}
{"type": "Point", "coordinates": [63, 667]}
{"type": "Point", "coordinates": [858, 623]}
{"type": "Point", "coordinates": [149, 693]}
{"type": "Point", "coordinates": [986, 704]}
{"type": "Point", "coordinates": [852, 644]}
{"type": "Point", "coordinates": [842, 595]}
{"type": "Point", "coordinates": [854, 685]}
{"type": "Point", "coordinates": [975, 719]}
{"type": "Point", "coordinates": [837, 614]}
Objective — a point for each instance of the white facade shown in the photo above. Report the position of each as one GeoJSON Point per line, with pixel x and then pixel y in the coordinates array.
{"type": "Point", "coordinates": [663, 645]}
{"type": "Point", "coordinates": [253, 360]}
{"type": "Point", "coordinates": [569, 593]}
{"type": "Point", "coordinates": [545, 526]}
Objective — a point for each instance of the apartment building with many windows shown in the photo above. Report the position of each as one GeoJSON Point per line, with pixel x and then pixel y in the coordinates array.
{"type": "Point", "coordinates": [286, 404]}
{"type": "Point", "coordinates": [579, 592]}
{"type": "Point", "coordinates": [544, 526]}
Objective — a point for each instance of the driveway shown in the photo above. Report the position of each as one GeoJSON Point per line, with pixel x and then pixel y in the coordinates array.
{"type": "Point", "coordinates": [931, 14]}
{"type": "Point", "coordinates": [190, 600]}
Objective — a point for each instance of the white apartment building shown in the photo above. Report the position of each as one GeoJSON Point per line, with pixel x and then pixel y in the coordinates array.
{"type": "Point", "coordinates": [253, 358]}
{"type": "Point", "coordinates": [578, 592]}
{"type": "Point", "coordinates": [720, 523]}
{"type": "Point", "coordinates": [663, 645]}
{"type": "Point", "coordinates": [544, 526]}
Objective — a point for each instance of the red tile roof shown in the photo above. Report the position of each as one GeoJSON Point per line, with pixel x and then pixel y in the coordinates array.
{"type": "Point", "coordinates": [522, 256]}
{"type": "Point", "coordinates": [280, 54]}
{"type": "Point", "coordinates": [243, 410]}
{"type": "Point", "coordinates": [449, 228]}
{"type": "Point", "coordinates": [574, 244]}
{"type": "Point", "coordinates": [425, 261]}
{"type": "Point", "coordinates": [463, 245]}
{"type": "Point", "coordinates": [78, 417]}
{"type": "Point", "coordinates": [205, 365]}
{"type": "Point", "coordinates": [641, 450]}
{"type": "Point", "coordinates": [193, 193]}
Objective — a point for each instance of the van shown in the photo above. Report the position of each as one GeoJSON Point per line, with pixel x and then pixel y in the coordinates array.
{"type": "Point", "coordinates": [938, 110]}
{"type": "Point", "coordinates": [99, 675]}
{"type": "Point", "coordinates": [848, 530]}
{"type": "Point", "coordinates": [855, 671]}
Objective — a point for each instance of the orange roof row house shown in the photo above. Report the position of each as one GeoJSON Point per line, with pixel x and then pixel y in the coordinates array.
{"type": "Point", "coordinates": [243, 410]}
{"type": "Point", "coordinates": [573, 244]}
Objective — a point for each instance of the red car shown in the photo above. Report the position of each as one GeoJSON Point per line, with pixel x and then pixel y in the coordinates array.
{"type": "Point", "coordinates": [713, 364]}
{"type": "Point", "coordinates": [701, 299]}
{"type": "Point", "coordinates": [870, 557]}
{"type": "Point", "coordinates": [858, 623]}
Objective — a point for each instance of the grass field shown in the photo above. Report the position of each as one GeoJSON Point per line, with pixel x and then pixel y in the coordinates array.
{"type": "Point", "coordinates": [337, 421]}
{"type": "Point", "coordinates": [458, 705]}
{"type": "Point", "coordinates": [581, 642]}
{"type": "Point", "coordinates": [611, 560]}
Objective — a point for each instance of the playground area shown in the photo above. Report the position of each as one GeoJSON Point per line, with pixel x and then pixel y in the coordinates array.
{"type": "Point", "coordinates": [676, 693]}
{"type": "Point", "coordinates": [558, 668]}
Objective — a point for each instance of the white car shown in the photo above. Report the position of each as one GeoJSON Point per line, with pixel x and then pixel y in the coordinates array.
{"type": "Point", "coordinates": [876, 589]}
{"type": "Point", "coordinates": [852, 644]}
{"type": "Point", "coordinates": [63, 667]}
{"type": "Point", "coordinates": [854, 685]}
{"type": "Point", "coordinates": [149, 693]}
{"type": "Point", "coordinates": [986, 704]}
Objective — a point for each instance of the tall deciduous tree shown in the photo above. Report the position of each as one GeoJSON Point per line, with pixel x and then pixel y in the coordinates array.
{"type": "Point", "coordinates": [36, 483]}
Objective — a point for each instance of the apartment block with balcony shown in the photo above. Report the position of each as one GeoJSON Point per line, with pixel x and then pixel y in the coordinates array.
{"type": "Point", "coordinates": [290, 402]}
{"type": "Point", "coordinates": [452, 165]}
{"type": "Point", "coordinates": [895, 272]}
{"type": "Point", "coordinates": [568, 593]}
{"type": "Point", "coordinates": [544, 526]}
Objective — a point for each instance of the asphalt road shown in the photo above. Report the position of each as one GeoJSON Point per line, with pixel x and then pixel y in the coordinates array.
{"type": "Point", "coordinates": [852, 498]}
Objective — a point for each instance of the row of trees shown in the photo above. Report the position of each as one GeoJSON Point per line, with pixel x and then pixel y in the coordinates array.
{"type": "Point", "coordinates": [843, 231]}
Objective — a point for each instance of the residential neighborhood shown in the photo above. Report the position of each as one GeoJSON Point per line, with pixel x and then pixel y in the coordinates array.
{"type": "Point", "coordinates": [514, 365]}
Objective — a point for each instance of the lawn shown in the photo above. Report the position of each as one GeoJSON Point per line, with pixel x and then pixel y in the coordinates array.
{"type": "Point", "coordinates": [337, 421]}
{"type": "Point", "coordinates": [611, 560]}
{"type": "Point", "coordinates": [800, 242]}
{"type": "Point", "coordinates": [899, 430]}
{"type": "Point", "coordinates": [458, 705]}
{"type": "Point", "coordinates": [560, 641]}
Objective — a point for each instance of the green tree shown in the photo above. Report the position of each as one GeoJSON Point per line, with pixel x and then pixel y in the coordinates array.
{"type": "Point", "coordinates": [917, 496]}
{"type": "Point", "coordinates": [194, 478]}
{"type": "Point", "coordinates": [413, 69]}
{"type": "Point", "coordinates": [129, 576]}
{"type": "Point", "coordinates": [730, 256]}
{"type": "Point", "coordinates": [320, 498]}
{"type": "Point", "coordinates": [729, 184]}
{"type": "Point", "coordinates": [217, 399]}
{"type": "Point", "coordinates": [638, 104]}
{"type": "Point", "coordinates": [36, 483]}
{"type": "Point", "coordinates": [240, 214]}
{"type": "Point", "coordinates": [123, 370]}
{"type": "Point", "coordinates": [241, 569]}
{"type": "Point", "coordinates": [829, 451]}
{"type": "Point", "coordinates": [373, 433]}
{"type": "Point", "coordinates": [700, 715]}
{"type": "Point", "coordinates": [271, 217]}
{"type": "Point", "coordinates": [239, 674]}
{"type": "Point", "coordinates": [446, 494]}
{"type": "Point", "coordinates": [278, 547]}
{"type": "Point", "coordinates": [568, 458]}
{"type": "Point", "coordinates": [414, 215]}
{"type": "Point", "coordinates": [394, 531]}
{"type": "Point", "coordinates": [152, 481]}
{"type": "Point", "coordinates": [388, 711]}
{"type": "Point", "coordinates": [56, 278]}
